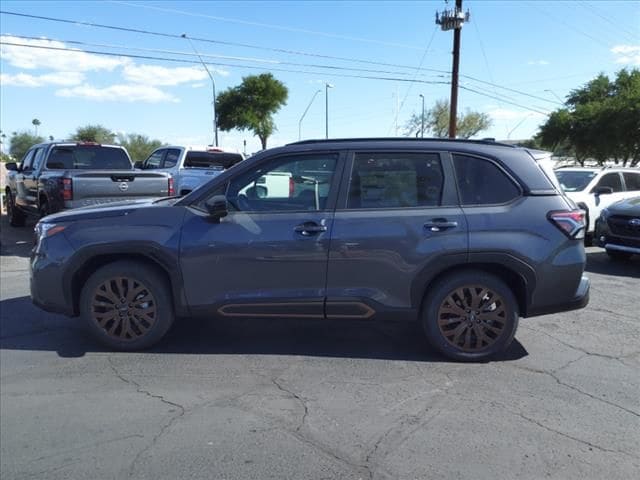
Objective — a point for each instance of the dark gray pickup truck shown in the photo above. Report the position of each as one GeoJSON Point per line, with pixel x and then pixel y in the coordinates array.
{"type": "Point", "coordinates": [60, 175]}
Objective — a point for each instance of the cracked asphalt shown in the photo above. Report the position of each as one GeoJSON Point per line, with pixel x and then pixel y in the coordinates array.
{"type": "Point", "coordinates": [283, 399]}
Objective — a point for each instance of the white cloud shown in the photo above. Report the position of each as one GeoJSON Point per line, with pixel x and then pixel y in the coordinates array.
{"type": "Point", "coordinates": [26, 80]}
{"type": "Point", "coordinates": [198, 85]}
{"type": "Point", "coordinates": [118, 93]}
{"type": "Point", "coordinates": [163, 76]}
{"type": "Point", "coordinates": [538, 62]}
{"type": "Point", "coordinates": [63, 61]}
{"type": "Point", "coordinates": [627, 54]}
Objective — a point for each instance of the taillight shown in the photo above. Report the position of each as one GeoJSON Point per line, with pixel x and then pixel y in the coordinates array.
{"type": "Point", "coordinates": [67, 189]}
{"type": "Point", "coordinates": [171, 190]}
{"type": "Point", "coordinates": [571, 222]}
{"type": "Point", "coordinates": [292, 186]}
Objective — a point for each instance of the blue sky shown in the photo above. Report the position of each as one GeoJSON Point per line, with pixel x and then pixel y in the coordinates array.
{"type": "Point", "coordinates": [543, 49]}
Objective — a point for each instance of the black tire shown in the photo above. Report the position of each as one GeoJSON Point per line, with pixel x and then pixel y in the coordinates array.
{"type": "Point", "coordinates": [141, 320]}
{"type": "Point", "coordinates": [43, 209]}
{"type": "Point", "coordinates": [16, 217]}
{"type": "Point", "coordinates": [618, 255]}
{"type": "Point", "coordinates": [450, 315]}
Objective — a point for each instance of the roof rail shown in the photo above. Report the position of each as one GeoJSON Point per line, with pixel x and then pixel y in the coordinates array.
{"type": "Point", "coordinates": [485, 141]}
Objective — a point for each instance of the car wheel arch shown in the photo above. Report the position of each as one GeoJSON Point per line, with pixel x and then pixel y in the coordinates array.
{"type": "Point", "coordinates": [517, 281]}
{"type": "Point", "coordinates": [75, 278]}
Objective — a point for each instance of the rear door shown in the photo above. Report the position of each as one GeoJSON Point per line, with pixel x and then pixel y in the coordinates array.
{"type": "Point", "coordinates": [397, 217]}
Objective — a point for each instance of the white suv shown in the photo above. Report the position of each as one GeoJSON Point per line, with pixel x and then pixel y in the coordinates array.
{"type": "Point", "coordinates": [596, 188]}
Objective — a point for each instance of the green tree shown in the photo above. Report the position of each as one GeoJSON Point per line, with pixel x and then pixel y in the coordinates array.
{"type": "Point", "coordinates": [601, 121]}
{"type": "Point", "coordinates": [36, 123]}
{"type": "Point", "coordinates": [94, 133]}
{"type": "Point", "coordinates": [21, 142]}
{"type": "Point", "coordinates": [251, 105]}
{"type": "Point", "coordinates": [436, 122]}
{"type": "Point", "coordinates": [138, 146]}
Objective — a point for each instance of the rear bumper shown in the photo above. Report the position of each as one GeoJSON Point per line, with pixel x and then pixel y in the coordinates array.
{"type": "Point", "coordinates": [580, 300]}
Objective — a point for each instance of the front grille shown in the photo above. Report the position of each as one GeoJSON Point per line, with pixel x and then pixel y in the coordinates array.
{"type": "Point", "coordinates": [622, 225]}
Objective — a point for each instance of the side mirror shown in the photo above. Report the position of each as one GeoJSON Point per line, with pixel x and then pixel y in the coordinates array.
{"type": "Point", "coordinates": [603, 190]}
{"type": "Point", "coordinates": [13, 166]}
{"type": "Point", "coordinates": [217, 206]}
{"type": "Point", "coordinates": [138, 165]}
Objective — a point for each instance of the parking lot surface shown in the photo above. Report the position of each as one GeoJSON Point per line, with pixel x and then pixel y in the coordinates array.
{"type": "Point", "coordinates": [284, 399]}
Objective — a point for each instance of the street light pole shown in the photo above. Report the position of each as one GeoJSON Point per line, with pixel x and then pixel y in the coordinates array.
{"type": "Point", "coordinates": [213, 84]}
{"type": "Point", "coordinates": [305, 112]}
{"type": "Point", "coordinates": [327, 86]}
{"type": "Point", "coordinates": [422, 118]}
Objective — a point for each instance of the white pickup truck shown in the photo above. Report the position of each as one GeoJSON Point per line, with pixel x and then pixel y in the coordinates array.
{"type": "Point", "coordinates": [189, 168]}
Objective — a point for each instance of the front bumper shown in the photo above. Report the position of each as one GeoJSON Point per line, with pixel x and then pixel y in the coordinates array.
{"type": "Point", "coordinates": [610, 241]}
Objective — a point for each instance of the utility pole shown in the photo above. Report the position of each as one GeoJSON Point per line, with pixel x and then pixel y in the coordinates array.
{"type": "Point", "coordinates": [453, 20]}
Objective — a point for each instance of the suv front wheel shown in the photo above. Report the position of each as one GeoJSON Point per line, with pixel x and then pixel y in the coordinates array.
{"type": "Point", "coordinates": [470, 316]}
{"type": "Point", "coordinates": [127, 305]}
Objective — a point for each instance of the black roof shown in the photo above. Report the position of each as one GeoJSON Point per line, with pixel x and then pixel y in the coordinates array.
{"type": "Point", "coordinates": [485, 141]}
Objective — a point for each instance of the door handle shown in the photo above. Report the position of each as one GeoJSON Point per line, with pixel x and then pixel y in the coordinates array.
{"type": "Point", "coordinates": [439, 224]}
{"type": "Point", "coordinates": [309, 228]}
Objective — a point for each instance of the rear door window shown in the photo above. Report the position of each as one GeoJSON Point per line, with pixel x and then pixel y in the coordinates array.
{"type": "Point", "coordinates": [481, 182]}
{"type": "Point", "coordinates": [395, 180]}
{"type": "Point", "coordinates": [632, 181]}
{"type": "Point", "coordinates": [173, 154]}
{"type": "Point", "coordinates": [611, 180]}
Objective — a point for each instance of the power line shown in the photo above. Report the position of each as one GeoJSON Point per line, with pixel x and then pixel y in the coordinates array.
{"type": "Point", "coordinates": [291, 52]}
{"type": "Point", "coordinates": [268, 25]}
{"type": "Point", "coordinates": [177, 60]}
{"type": "Point", "coordinates": [632, 35]}
{"type": "Point", "coordinates": [208, 55]}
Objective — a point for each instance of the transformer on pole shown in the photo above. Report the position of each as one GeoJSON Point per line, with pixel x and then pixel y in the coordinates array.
{"type": "Point", "coordinates": [453, 20]}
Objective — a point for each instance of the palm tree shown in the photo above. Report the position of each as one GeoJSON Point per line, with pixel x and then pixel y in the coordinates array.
{"type": "Point", "coordinates": [35, 122]}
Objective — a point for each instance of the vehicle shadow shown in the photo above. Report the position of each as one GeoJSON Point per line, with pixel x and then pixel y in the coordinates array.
{"type": "Point", "coordinates": [599, 262]}
{"type": "Point", "coordinates": [15, 241]}
{"type": "Point", "coordinates": [24, 327]}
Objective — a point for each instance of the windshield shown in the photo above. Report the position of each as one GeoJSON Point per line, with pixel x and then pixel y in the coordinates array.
{"type": "Point", "coordinates": [93, 157]}
{"type": "Point", "coordinates": [573, 181]}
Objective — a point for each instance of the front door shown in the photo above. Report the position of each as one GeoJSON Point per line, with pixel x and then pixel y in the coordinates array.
{"type": "Point", "coordinates": [396, 223]}
{"type": "Point", "coordinates": [268, 256]}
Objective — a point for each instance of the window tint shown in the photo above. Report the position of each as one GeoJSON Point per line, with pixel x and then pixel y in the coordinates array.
{"type": "Point", "coordinates": [392, 180]}
{"type": "Point", "coordinates": [216, 160]}
{"type": "Point", "coordinates": [290, 183]}
{"type": "Point", "coordinates": [611, 180]}
{"type": "Point", "coordinates": [27, 160]}
{"type": "Point", "coordinates": [88, 158]}
{"type": "Point", "coordinates": [632, 181]}
{"type": "Point", "coordinates": [481, 182]}
{"type": "Point", "coordinates": [154, 160]}
{"type": "Point", "coordinates": [37, 158]}
{"type": "Point", "coordinates": [172, 158]}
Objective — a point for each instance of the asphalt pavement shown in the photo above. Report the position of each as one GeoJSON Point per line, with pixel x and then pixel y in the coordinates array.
{"type": "Point", "coordinates": [283, 399]}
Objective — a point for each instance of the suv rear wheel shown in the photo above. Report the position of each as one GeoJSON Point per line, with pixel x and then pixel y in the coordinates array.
{"type": "Point", "coordinates": [127, 305]}
{"type": "Point", "coordinates": [470, 316]}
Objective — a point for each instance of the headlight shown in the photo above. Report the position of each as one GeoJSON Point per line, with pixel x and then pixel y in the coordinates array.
{"type": "Point", "coordinates": [44, 229]}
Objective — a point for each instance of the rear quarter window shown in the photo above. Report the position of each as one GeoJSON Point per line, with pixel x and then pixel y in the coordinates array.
{"type": "Point", "coordinates": [481, 182]}
{"type": "Point", "coordinates": [632, 181]}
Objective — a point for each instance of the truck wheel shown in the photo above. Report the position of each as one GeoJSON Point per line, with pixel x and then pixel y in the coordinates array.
{"type": "Point", "coordinates": [16, 217]}
{"type": "Point", "coordinates": [470, 316]}
{"type": "Point", "coordinates": [44, 209]}
{"type": "Point", "coordinates": [127, 305]}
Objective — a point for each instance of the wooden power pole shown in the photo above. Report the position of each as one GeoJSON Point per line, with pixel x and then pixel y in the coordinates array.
{"type": "Point", "coordinates": [453, 20]}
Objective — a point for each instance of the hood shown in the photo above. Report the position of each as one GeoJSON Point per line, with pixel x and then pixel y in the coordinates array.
{"type": "Point", "coordinates": [630, 206]}
{"type": "Point", "coordinates": [115, 209]}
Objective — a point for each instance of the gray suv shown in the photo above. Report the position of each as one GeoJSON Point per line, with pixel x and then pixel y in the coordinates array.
{"type": "Point", "coordinates": [464, 237]}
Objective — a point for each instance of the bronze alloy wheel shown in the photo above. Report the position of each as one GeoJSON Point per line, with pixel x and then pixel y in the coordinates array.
{"type": "Point", "coordinates": [472, 318]}
{"type": "Point", "coordinates": [124, 308]}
